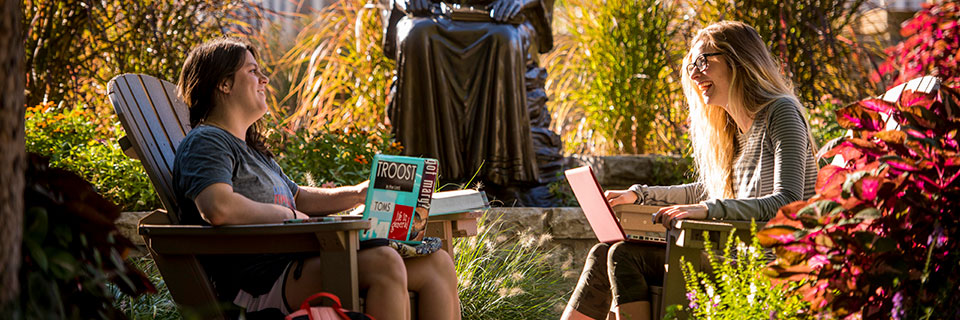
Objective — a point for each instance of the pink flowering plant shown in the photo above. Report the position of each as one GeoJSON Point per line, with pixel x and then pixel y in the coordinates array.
{"type": "Point", "coordinates": [931, 46]}
{"type": "Point", "coordinates": [737, 287]}
{"type": "Point", "coordinates": [878, 240]}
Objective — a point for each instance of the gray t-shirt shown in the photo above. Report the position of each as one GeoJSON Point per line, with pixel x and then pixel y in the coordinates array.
{"type": "Point", "coordinates": [211, 155]}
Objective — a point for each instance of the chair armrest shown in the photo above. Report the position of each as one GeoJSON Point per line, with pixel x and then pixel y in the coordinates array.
{"type": "Point", "coordinates": [127, 147]}
{"type": "Point", "coordinates": [744, 225]}
{"type": "Point", "coordinates": [252, 229]}
{"type": "Point", "coordinates": [689, 233]}
{"type": "Point", "coordinates": [252, 239]}
{"type": "Point", "coordinates": [463, 224]}
{"type": "Point", "coordinates": [702, 225]}
{"type": "Point", "coordinates": [456, 216]}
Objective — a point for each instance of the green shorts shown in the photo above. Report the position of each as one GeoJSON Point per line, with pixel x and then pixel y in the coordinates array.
{"type": "Point", "coordinates": [622, 272]}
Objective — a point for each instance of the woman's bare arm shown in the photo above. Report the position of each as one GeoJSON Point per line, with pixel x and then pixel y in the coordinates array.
{"type": "Point", "coordinates": [324, 201]}
{"type": "Point", "coordinates": [220, 205]}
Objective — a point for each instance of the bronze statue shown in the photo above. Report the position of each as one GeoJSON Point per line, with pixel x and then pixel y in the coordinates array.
{"type": "Point", "coordinates": [470, 94]}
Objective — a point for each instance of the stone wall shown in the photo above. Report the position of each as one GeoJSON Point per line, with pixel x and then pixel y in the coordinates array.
{"type": "Point", "coordinates": [620, 172]}
{"type": "Point", "coordinates": [127, 224]}
{"type": "Point", "coordinates": [562, 232]}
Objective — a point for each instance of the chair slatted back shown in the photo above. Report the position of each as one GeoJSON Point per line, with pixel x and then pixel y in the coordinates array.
{"type": "Point", "coordinates": [155, 121]}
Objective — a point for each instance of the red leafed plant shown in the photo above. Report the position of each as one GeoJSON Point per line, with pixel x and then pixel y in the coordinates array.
{"type": "Point", "coordinates": [931, 46]}
{"type": "Point", "coordinates": [879, 240]}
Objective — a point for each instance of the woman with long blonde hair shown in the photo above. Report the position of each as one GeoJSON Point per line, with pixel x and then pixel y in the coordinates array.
{"type": "Point", "coordinates": [753, 154]}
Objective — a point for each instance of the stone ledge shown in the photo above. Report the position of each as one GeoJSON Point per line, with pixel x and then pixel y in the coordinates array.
{"type": "Point", "coordinates": [559, 223]}
{"type": "Point", "coordinates": [127, 224]}
{"type": "Point", "coordinates": [620, 172]}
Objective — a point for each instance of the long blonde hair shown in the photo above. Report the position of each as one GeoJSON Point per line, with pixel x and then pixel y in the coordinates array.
{"type": "Point", "coordinates": [755, 82]}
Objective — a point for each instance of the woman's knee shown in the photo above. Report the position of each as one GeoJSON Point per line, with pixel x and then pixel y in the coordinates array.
{"type": "Point", "coordinates": [622, 252]}
{"type": "Point", "coordinates": [440, 265]}
{"type": "Point", "coordinates": [630, 269]}
{"type": "Point", "coordinates": [599, 252]}
{"type": "Point", "coordinates": [442, 262]}
{"type": "Point", "coordinates": [646, 259]}
{"type": "Point", "coordinates": [382, 265]}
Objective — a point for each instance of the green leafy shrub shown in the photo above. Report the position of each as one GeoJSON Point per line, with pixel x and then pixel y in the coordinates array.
{"type": "Point", "coordinates": [79, 140]}
{"type": "Point", "coordinates": [72, 249]}
{"type": "Point", "coordinates": [878, 239]}
{"type": "Point", "coordinates": [931, 47]}
{"type": "Point", "coordinates": [614, 75]}
{"type": "Point", "coordinates": [671, 171]}
{"type": "Point", "coordinates": [823, 121]}
{"type": "Point", "coordinates": [73, 49]}
{"type": "Point", "coordinates": [506, 277]}
{"type": "Point", "coordinates": [737, 287]}
{"type": "Point", "coordinates": [614, 80]}
{"type": "Point", "coordinates": [338, 156]}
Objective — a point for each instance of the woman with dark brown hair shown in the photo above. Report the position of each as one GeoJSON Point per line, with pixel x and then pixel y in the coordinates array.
{"type": "Point", "coordinates": [225, 175]}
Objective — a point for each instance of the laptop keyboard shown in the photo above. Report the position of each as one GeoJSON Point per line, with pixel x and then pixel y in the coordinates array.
{"type": "Point", "coordinates": [650, 237]}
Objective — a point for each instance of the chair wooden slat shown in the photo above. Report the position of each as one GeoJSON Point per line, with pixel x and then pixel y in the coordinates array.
{"type": "Point", "coordinates": [150, 113]}
{"type": "Point", "coordinates": [127, 106]}
{"type": "Point", "coordinates": [163, 108]}
{"type": "Point", "coordinates": [180, 109]}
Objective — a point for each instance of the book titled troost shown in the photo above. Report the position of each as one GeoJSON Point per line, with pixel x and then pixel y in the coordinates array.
{"type": "Point", "coordinates": [398, 198]}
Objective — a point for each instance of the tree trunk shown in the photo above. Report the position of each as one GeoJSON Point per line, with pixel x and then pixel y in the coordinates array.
{"type": "Point", "coordinates": [12, 158]}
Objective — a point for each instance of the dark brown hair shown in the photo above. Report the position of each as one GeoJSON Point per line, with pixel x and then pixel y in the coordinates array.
{"type": "Point", "coordinates": [207, 66]}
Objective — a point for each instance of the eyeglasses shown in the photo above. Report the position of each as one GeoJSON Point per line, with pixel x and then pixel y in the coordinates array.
{"type": "Point", "coordinates": [701, 62]}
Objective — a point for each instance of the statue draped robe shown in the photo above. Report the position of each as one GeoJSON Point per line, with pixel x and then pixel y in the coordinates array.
{"type": "Point", "coordinates": [460, 94]}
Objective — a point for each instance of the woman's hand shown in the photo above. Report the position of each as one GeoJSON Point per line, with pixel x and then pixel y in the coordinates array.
{"type": "Point", "coordinates": [666, 215]}
{"type": "Point", "coordinates": [615, 197]}
{"type": "Point", "coordinates": [300, 215]}
{"type": "Point", "coordinates": [361, 190]}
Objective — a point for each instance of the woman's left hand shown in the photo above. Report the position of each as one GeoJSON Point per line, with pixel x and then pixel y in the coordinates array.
{"type": "Point", "coordinates": [361, 191]}
{"type": "Point", "coordinates": [666, 215]}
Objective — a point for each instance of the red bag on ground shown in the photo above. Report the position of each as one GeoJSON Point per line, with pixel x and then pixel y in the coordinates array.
{"type": "Point", "coordinates": [335, 312]}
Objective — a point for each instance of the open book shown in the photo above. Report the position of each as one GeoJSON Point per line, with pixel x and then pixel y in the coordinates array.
{"type": "Point", "coordinates": [447, 202]}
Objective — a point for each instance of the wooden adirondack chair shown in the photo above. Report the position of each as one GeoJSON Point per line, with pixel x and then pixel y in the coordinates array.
{"type": "Point", "coordinates": [155, 122]}
{"type": "Point", "coordinates": [685, 239]}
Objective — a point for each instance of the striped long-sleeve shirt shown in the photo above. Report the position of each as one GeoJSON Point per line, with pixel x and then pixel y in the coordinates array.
{"type": "Point", "coordinates": [775, 166]}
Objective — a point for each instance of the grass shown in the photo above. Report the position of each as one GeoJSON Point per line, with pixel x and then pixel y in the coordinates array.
{"type": "Point", "coordinates": [150, 306]}
{"type": "Point", "coordinates": [503, 274]}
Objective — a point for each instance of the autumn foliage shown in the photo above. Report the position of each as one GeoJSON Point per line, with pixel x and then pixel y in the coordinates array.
{"type": "Point", "coordinates": [879, 238]}
{"type": "Point", "coordinates": [931, 45]}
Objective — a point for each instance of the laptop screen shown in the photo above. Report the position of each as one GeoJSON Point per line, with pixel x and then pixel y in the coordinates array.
{"type": "Point", "coordinates": [595, 207]}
